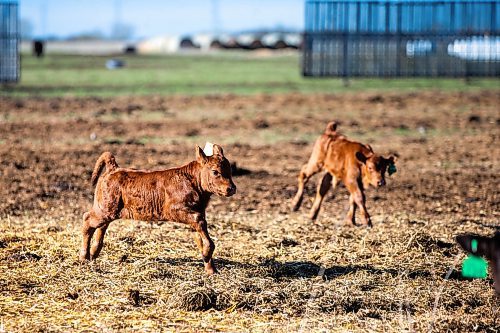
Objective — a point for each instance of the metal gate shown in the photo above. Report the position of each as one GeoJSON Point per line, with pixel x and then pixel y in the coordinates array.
{"type": "Point", "coordinates": [401, 38]}
{"type": "Point", "coordinates": [9, 42]}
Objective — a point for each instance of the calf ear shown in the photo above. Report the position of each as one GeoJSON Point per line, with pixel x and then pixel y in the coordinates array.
{"type": "Point", "coordinates": [331, 127]}
{"type": "Point", "coordinates": [362, 158]}
{"type": "Point", "coordinates": [392, 159]}
{"type": "Point", "coordinates": [200, 155]}
{"type": "Point", "coordinates": [218, 150]}
{"type": "Point", "coordinates": [477, 245]}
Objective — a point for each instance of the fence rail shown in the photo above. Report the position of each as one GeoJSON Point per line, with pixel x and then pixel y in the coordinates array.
{"type": "Point", "coordinates": [402, 38]}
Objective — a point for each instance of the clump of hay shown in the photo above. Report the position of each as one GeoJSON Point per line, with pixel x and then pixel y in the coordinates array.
{"type": "Point", "coordinates": [193, 298]}
{"type": "Point", "coordinates": [24, 256]}
{"type": "Point", "coordinates": [427, 243]}
{"type": "Point", "coordinates": [279, 270]}
{"type": "Point", "coordinates": [288, 242]}
{"type": "Point", "coordinates": [137, 298]}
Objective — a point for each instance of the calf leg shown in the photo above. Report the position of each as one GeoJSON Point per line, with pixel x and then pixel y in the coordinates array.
{"type": "Point", "coordinates": [99, 242]}
{"type": "Point", "coordinates": [205, 244]}
{"type": "Point", "coordinates": [359, 199]}
{"type": "Point", "coordinates": [350, 217]}
{"type": "Point", "coordinates": [323, 186]}
{"type": "Point", "coordinates": [87, 233]}
{"type": "Point", "coordinates": [198, 240]}
{"type": "Point", "coordinates": [307, 171]}
{"type": "Point", "coordinates": [91, 221]}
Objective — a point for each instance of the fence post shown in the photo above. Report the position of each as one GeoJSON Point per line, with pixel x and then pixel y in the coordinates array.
{"type": "Point", "coordinates": [9, 43]}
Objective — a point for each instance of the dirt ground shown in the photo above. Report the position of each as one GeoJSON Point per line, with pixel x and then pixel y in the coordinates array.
{"type": "Point", "coordinates": [278, 270]}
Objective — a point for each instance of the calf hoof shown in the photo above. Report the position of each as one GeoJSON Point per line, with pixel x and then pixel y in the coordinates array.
{"type": "Point", "coordinates": [368, 223]}
{"type": "Point", "coordinates": [295, 207]}
{"type": "Point", "coordinates": [210, 270]}
{"type": "Point", "coordinates": [313, 213]}
{"type": "Point", "coordinates": [84, 257]}
{"type": "Point", "coordinates": [349, 223]}
{"type": "Point", "coordinates": [313, 218]}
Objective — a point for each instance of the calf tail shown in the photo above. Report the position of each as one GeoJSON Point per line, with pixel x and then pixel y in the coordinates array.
{"type": "Point", "coordinates": [105, 160]}
{"type": "Point", "coordinates": [331, 128]}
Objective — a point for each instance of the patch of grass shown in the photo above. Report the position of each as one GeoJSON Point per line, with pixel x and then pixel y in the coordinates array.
{"type": "Point", "coordinates": [404, 131]}
{"type": "Point", "coordinates": [446, 132]}
{"type": "Point", "coordinates": [169, 140]}
{"type": "Point", "coordinates": [231, 72]}
{"type": "Point", "coordinates": [143, 115]}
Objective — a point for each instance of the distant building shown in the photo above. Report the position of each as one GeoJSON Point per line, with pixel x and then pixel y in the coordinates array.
{"type": "Point", "coordinates": [9, 42]}
{"type": "Point", "coordinates": [248, 41]}
{"type": "Point", "coordinates": [402, 38]}
{"type": "Point", "coordinates": [203, 41]}
{"type": "Point", "coordinates": [164, 45]}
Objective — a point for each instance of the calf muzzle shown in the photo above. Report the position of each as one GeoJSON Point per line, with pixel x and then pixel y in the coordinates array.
{"type": "Point", "coordinates": [231, 190]}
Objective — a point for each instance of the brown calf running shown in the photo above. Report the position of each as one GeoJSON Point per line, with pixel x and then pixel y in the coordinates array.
{"type": "Point", "coordinates": [178, 194]}
{"type": "Point", "coordinates": [488, 247]}
{"type": "Point", "coordinates": [353, 163]}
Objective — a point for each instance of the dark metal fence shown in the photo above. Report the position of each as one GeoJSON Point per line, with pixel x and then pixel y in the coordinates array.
{"type": "Point", "coordinates": [402, 38]}
{"type": "Point", "coordinates": [9, 42]}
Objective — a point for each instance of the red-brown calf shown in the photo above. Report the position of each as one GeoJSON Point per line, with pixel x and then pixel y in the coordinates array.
{"type": "Point", "coordinates": [353, 163]}
{"type": "Point", "coordinates": [178, 194]}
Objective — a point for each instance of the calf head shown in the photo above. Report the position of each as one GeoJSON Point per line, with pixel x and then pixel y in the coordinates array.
{"type": "Point", "coordinates": [215, 174]}
{"type": "Point", "coordinates": [488, 247]}
{"type": "Point", "coordinates": [374, 167]}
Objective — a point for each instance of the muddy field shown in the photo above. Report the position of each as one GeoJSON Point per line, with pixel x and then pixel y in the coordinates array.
{"type": "Point", "coordinates": [277, 270]}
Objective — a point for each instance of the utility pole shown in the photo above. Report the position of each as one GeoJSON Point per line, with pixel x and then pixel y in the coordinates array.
{"type": "Point", "coordinates": [116, 26]}
{"type": "Point", "coordinates": [215, 17]}
{"type": "Point", "coordinates": [43, 18]}
{"type": "Point", "coordinates": [118, 12]}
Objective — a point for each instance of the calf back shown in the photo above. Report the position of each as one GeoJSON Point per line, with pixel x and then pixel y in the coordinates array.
{"type": "Point", "coordinates": [340, 158]}
{"type": "Point", "coordinates": [151, 195]}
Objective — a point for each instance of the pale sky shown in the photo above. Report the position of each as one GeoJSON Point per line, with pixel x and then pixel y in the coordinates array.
{"type": "Point", "coordinates": [158, 17]}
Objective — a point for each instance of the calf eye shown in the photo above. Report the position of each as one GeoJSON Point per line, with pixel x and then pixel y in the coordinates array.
{"type": "Point", "coordinates": [215, 173]}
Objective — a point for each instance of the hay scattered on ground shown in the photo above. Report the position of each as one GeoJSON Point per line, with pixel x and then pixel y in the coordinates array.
{"type": "Point", "coordinates": [277, 270]}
